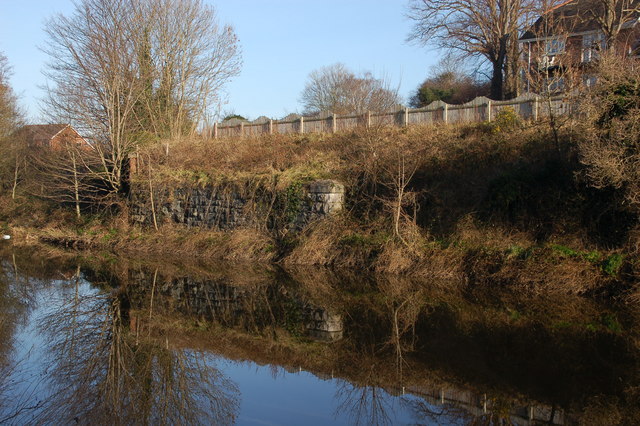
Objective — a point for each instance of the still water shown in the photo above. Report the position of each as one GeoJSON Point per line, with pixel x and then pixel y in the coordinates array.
{"type": "Point", "coordinates": [99, 340]}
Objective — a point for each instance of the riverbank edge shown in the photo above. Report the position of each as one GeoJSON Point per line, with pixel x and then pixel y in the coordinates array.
{"type": "Point", "coordinates": [547, 268]}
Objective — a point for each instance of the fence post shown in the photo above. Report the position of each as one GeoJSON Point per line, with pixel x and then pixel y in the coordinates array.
{"type": "Point", "coordinates": [242, 129]}
{"type": "Point", "coordinates": [445, 113]}
{"type": "Point", "coordinates": [270, 127]}
{"type": "Point", "coordinates": [215, 130]}
{"type": "Point", "coordinates": [535, 109]}
{"type": "Point", "coordinates": [488, 106]}
{"type": "Point", "coordinates": [301, 124]}
{"type": "Point", "coordinates": [334, 123]}
{"type": "Point", "coordinates": [406, 117]}
{"type": "Point", "coordinates": [368, 119]}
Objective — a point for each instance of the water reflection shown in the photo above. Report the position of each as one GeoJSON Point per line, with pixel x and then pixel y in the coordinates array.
{"type": "Point", "coordinates": [101, 371]}
{"type": "Point", "coordinates": [92, 369]}
{"type": "Point", "coordinates": [366, 405]}
{"type": "Point", "coordinates": [16, 301]}
{"type": "Point", "coordinates": [150, 343]}
{"type": "Point", "coordinates": [255, 306]}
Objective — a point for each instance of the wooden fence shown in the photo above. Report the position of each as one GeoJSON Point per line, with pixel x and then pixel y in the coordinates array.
{"type": "Point", "coordinates": [528, 107]}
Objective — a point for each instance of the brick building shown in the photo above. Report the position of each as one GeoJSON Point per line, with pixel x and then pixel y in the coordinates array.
{"type": "Point", "coordinates": [572, 36]}
{"type": "Point", "coordinates": [50, 135]}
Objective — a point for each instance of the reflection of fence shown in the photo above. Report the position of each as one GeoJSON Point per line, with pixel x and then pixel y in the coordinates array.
{"type": "Point", "coordinates": [527, 107]}
{"type": "Point", "coordinates": [478, 405]}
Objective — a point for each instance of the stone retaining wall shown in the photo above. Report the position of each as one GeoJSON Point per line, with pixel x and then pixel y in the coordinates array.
{"type": "Point", "coordinates": [231, 206]}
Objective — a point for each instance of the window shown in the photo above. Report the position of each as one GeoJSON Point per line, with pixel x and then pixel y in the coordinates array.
{"type": "Point", "coordinates": [592, 45]}
{"type": "Point", "coordinates": [589, 80]}
{"type": "Point", "coordinates": [555, 84]}
{"type": "Point", "coordinates": [554, 46]}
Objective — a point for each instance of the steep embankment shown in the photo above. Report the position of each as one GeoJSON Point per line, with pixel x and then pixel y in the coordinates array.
{"type": "Point", "coordinates": [490, 205]}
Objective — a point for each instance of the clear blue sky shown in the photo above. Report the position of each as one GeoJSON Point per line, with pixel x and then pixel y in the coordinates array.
{"type": "Point", "coordinates": [282, 41]}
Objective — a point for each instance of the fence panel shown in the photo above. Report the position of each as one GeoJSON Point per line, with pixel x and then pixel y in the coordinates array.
{"type": "Point", "coordinates": [347, 122]}
{"type": "Point", "coordinates": [317, 125]}
{"type": "Point", "coordinates": [384, 119]}
{"type": "Point", "coordinates": [284, 127]}
{"type": "Point", "coordinates": [528, 107]}
{"type": "Point", "coordinates": [523, 106]}
{"type": "Point", "coordinates": [426, 116]}
{"type": "Point", "coordinates": [254, 130]}
{"type": "Point", "coordinates": [466, 113]}
{"type": "Point", "coordinates": [556, 106]}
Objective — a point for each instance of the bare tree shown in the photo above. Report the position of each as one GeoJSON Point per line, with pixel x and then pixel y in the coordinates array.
{"type": "Point", "coordinates": [67, 176]}
{"type": "Point", "coordinates": [549, 66]}
{"type": "Point", "coordinates": [612, 17]}
{"type": "Point", "coordinates": [93, 74]}
{"type": "Point", "coordinates": [12, 153]}
{"type": "Point", "coordinates": [122, 69]}
{"type": "Point", "coordinates": [337, 89]}
{"type": "Point", "coordinates": [185, 58]}
{"type": "Point", "coordinates": [9, 112]}
{"type": "Point", "coordinates": [486, 29]}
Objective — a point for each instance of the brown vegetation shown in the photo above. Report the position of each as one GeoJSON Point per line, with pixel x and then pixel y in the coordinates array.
{"type": "Point", "coordinates": [538, 206]}
{"type": "Point", "coordinates": [611, 152]}
{"type": "Point", "coordinates": [489, 204]}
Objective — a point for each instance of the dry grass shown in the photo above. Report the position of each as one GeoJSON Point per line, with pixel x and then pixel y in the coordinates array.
{"type": "Point", "coordinates": [238, 245]}
{"type": "Point", "coordinates": [211, 160]}
{"type": "Point", "coordinates": [479, 206]}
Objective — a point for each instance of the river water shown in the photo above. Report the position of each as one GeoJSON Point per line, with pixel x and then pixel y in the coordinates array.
{"type": "Point", "coordinates": [101, 340]}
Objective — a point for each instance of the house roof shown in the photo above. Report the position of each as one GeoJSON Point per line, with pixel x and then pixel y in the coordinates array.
{"type": "Point", "coordinates": [40, 133]}
{"type": "Point", "coordinates": [571, 16]}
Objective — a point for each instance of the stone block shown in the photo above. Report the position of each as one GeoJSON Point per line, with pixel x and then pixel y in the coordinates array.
{"type": "Point", "coordinates": [326, 186]}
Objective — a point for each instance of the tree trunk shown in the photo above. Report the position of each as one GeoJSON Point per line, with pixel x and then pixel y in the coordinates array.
{"type": "Point", "coordinates": [497, 80]}
{"type": "Point", "coordinates": [76, 185]}
{"type": "Point", "coordinates": [498, 62]}
{"type": "Point", "coordinates": [512, 67]}
{"type": "Point", "coordinates": [15, 178]}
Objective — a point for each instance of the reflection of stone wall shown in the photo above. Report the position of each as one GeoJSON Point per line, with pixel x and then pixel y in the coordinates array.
{"type": "Point", "coordinates": [251, 307]}
{"type": "Point", "coordinates": [229, 206]}
{"type": "Point", "coordinates": [322, 324]}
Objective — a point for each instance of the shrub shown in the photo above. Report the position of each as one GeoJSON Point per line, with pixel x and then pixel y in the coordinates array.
{"type": "Point", "coordinates": [611, 151]}
{"type": "Point", "coordinates": [506, 119]}
{"type": "Point", "coordinates": [612, 264]}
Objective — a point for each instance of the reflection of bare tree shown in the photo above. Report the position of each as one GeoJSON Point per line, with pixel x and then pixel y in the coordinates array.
{"type": "Point", "coordinates": [15, 398]}
{"type": "Point", "coordinates": [366, 405]}
{"type": "Point", "coordinates": [100, 371]}
{"type": "Point", "coordinates": [405, 301]}
{"type": "Point", "coordinates": [16, 300]}
{"type": "Point", "coordinates": [424, 412]}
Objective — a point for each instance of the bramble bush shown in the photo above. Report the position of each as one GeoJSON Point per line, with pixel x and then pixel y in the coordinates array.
{"type": "Point", "coordinates": [611, 150]}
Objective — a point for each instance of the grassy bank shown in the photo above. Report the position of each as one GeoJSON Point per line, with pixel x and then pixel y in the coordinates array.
{"type": "Point", "coordinates": [503, 204]}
